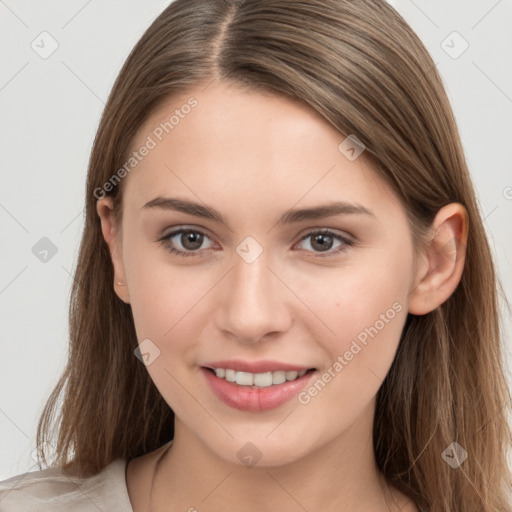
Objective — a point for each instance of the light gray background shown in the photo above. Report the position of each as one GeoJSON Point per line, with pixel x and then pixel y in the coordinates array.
{"type": "Point", "coordinates": [50, 111]}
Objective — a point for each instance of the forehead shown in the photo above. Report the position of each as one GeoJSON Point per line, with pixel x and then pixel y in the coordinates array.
{"type": "Point", "coordinates": [226, 144]}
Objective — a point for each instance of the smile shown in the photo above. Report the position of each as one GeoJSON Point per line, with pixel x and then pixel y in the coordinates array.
{"type": "Point", "coordinates": [258, 380]}
{"type": "Point", "coordinates": [256, 392]}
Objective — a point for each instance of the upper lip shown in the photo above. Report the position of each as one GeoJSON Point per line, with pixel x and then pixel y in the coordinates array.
{"type": "Point", "coordinates": [255, 366]}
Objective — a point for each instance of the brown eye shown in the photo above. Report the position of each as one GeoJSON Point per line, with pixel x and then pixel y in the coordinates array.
{"type": "Point", "coordinates": [323, 242]}
{"type": "Point", "coordinates": [191, 240]}
{"type": "Point", "coordinates": [184, 242]}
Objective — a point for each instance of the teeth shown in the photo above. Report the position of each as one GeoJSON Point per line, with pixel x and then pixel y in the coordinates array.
{"type": "Point", "coordinates": [261, 380]}
{"type": "Point", "coordinates": [278, 377]}
{"type": "Point", "coordinates": [244, 378]}
{"type": "Point", "coordinates": [291, 375]}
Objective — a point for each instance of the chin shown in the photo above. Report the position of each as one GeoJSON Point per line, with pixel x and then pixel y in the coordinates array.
{"type": "Point", "coordinates": [259, 451]}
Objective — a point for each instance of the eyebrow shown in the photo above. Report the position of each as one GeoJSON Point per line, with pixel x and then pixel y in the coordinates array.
{"type": "Point", "coordinates": [289, 217]}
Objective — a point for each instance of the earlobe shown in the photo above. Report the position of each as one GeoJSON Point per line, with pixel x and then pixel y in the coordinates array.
{"type": "Point", "coordinates": [444, 257]}
{"type": "Point", "coordinates": [109, 229]}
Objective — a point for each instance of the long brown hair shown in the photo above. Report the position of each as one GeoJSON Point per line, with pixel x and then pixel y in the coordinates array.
{"type": "Point", "coordinates": [366, 72]}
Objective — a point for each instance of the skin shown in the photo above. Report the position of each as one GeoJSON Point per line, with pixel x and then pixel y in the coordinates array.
{"type": "Point", "coordinates": [253, 156]}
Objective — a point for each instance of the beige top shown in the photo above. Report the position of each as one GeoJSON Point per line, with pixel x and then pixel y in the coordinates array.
{"type": "Point", "coordinates": [49, 490]}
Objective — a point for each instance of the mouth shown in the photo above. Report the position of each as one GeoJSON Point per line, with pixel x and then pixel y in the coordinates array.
{"type": "Point", "coordinates": [258, 380]}
{"type": "Point", "coordinates": [257, 390]}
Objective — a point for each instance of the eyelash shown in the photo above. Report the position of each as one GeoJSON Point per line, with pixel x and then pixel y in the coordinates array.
{"type": "Point", "coordinates": [346, 242]}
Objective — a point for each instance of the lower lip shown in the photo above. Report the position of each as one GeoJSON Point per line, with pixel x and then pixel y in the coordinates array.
{"type": "Point", "coordinates": [246, 398]}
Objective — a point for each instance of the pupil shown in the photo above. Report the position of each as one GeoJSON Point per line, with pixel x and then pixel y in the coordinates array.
{"type": "Point", "coordinates": [191, 240]}
{"type": "Point", "coordinates": [321, 238]}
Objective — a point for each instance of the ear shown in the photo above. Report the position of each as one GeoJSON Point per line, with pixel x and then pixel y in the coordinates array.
{"type": "Point", "coordinates": [105, 209]}
{"type": "Point", "coordinates": [443, 259]}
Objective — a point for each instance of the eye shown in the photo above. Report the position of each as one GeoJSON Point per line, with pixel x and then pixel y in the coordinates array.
{"type": "Point", "coordinates": [323, 241]}
{"type": "Point", "coordinates": [189, 241]}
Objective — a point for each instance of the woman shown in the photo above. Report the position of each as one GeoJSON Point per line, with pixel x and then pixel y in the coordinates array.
{"type": "Point", "coordinates": [284, 296]}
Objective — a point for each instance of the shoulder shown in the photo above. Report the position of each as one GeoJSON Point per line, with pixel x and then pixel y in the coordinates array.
{"type": "Point", "coordinates": [53, 490]}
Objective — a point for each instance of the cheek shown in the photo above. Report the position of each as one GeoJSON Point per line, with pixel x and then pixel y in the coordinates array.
{"type": "Point", "coordinates": [367, 325]}
{"type": "Point", "coordinates": [166, 301]}
{"type": "Point", "coordinates": [165, 306]}
{"type": "Point", "coordinates": [363, 308]}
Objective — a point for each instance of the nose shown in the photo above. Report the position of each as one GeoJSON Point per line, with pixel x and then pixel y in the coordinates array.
{"type": "Point", "coordinates": [255, 304]}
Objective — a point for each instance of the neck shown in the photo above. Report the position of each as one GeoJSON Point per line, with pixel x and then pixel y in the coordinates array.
{"type": "Point", "coordinates": [341, 476]}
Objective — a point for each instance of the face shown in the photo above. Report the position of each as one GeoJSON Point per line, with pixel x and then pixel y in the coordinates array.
{"type": "Point", "coordinates": [253, 291]}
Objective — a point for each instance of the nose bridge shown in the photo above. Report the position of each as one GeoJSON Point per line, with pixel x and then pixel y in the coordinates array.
{"type": "Point", "coordinates": [255, 304]}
